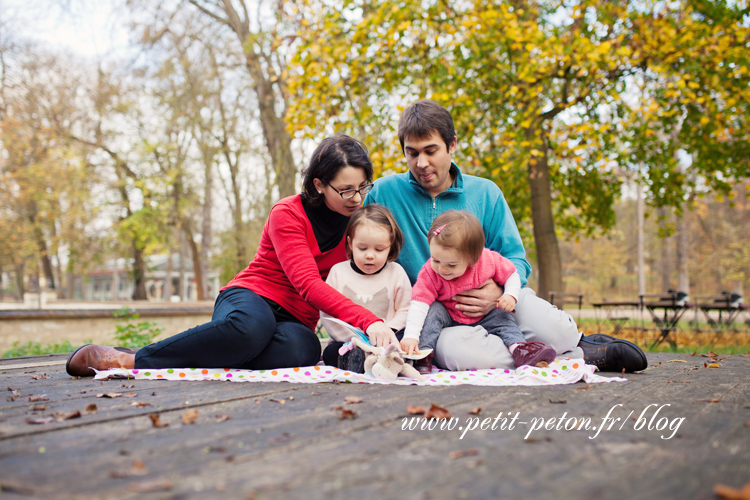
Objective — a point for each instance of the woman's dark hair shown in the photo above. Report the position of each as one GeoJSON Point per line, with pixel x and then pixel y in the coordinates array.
{"type": "Point", "coordinates": [380, 215]}
{"type": "Point", "coordinates": [421, 119]}
{"type": "Point", "coordinates": [331, 155]}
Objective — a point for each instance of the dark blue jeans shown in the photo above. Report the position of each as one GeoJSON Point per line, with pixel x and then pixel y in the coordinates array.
{"type": "Point", "coordinates": [243, 333]}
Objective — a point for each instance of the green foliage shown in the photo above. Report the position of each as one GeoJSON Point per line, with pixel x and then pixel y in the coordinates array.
{"type": "Point", "coordinates": [33, 348]}
{"type": "Point", "coordinates": [132, 334]}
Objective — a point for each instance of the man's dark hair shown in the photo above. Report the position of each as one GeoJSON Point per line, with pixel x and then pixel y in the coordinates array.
{"type": "Point", "coordinates": [421, 119]}
{"type": "Point", "coordinates": [331, 155]}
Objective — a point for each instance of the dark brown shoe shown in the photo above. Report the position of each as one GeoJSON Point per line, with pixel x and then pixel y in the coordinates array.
{"type": "Point", "coordinates": [613, 356]}
{"type": "Point", "coordinates": [89, 357]}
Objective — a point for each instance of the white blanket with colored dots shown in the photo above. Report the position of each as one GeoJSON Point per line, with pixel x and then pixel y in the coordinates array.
{"type": "Point", "coordinates": [561, 371]}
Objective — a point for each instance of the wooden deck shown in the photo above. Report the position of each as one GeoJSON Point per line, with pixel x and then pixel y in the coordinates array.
{"type": "Point", "coordinates": [288, 441]}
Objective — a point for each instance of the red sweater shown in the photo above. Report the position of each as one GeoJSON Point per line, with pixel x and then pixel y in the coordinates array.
{"type": "Point", "coordinates": [290, 269]}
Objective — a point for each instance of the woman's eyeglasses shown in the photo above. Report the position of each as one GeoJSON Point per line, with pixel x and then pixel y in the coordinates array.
{"type": "Point", "coordinates": [349, 193]}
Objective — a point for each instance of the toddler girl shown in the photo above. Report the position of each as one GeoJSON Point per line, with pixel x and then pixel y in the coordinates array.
{"type": "Point", "coordinates": [459, 262]}
{"type": "Point", "coordinates": [369, 278]}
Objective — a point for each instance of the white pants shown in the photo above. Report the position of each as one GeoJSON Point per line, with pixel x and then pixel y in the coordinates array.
{"type": "Point", "coordinates": [472, 348]}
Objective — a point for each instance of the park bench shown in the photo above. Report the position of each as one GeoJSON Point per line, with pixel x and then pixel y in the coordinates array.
{"type": "Point", "coordinates": [560, 299]}
{"type": "Point", "coordinates": [665, 309]}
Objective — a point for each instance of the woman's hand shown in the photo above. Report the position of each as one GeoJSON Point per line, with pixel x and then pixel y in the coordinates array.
{"type": "Point", "coordinates": [380, 335]}
{"type": "Point", "coordinates": [479, 302]}
{"type": "Point", "coordinates": [410, 346]}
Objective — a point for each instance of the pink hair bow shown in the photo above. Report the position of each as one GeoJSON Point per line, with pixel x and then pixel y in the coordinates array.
{"type": "Point", "coordinates": [437, 231]}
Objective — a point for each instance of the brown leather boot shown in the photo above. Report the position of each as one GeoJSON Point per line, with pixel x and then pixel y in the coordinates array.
{"type": "Point", "coordinates": [88, 357]}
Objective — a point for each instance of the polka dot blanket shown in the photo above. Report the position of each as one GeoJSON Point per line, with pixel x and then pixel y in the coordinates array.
{"type": "Point", "coordinates": [561, 371]}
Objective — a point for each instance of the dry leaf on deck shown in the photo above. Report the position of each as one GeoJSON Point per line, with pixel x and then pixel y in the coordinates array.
{"type": "Point", "coordinates": [221, 418]}
{"type": "Point", "coordinates": [280, 401]}
{"type": "Point", "coordinates": [715, 400]}
{"type": "Point", "coordinates": [90, 409]}
{"type": "Point", "coordinates": [67, 416]}
{"type": "Point", "coordinates": [729, 493]}
{"type": "Point", "coordinates": [676, 361]}
{"type": "Point", "coordinates": [437, 413]}
{"type": "Point", "coordinates": [189, 417]}
{"type": "Point", "coordinates": [43, 397]}
{"type": "Point", "coordinates": [40, 420]}
{"type": "Point", "coordinates": [37, 377]}
{"type": "Point", "coordinates": [709, 354]}
{"type": "Point", "coordinates": [347, 414]}
{"type": "Point", "coordinates": [475, 411]}
{"type": "Point", "coordinates": [714, 365]}
{"type": "Point", "coordinates": [150, 486]}
{"type": "Point", "coordinates": [353, 399]}
{"type": "Point", "coordinates": [463, 453]}
{"type": "Point", "coordinates": [416, 410]}
{"type": "Point", "coordinates": [156, 420]}
{"type": "Point", "coordinates": [109, 395]}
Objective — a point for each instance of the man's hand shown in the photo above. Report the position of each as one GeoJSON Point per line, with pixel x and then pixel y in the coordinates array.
{"type": "Point", "coordinates": [410, 346]}
{"type": "Point", "coordinates": [479, 302]}
{"type": "Point", "coordinates": [507, 303]}
{"type": "Point", "coordinates": [380, 335]}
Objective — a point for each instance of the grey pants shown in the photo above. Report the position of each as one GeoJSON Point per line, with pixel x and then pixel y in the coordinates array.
{"type": "Point", "coordinates": [498, 322]}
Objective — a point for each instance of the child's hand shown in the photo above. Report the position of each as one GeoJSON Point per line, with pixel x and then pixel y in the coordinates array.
{"type": "Point", "coordinates": [410, 346]}
{"type": "Point", "coordinates": [507, 303]}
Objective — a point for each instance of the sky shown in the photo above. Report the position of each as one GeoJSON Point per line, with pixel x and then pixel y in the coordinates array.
{"type": "Point", "coordinates": [90, 28]}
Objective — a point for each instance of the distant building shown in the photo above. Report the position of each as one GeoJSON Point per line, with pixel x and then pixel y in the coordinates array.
{"type": "Point", "coordinates": [113, 281]}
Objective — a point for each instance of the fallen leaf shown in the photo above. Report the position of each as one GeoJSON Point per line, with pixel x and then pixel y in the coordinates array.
{"type": "Point", "coordinates": [150, 486]}
{"type": "Point", "coordinates": [189, 417]}
{"type": "Point", "coordinates": [347, 414]}
{"type": "Point", "coordinates": [283, 438]}
{"type": "Point", "coordinates": [585, 388]}
{"type": "Point", "coordinates": [109, 395]}
{"type": "Point", "coordinates": [67, 416]}
{"type": "Point", "coordinates": [715, 400]}
{"type": "Point", "coordinates": [538, 440]}
{"type": "Point", "coordinates": [676, 361]}
{"type": "Point", "coordinates": [280, 401]}
{"type": "Point", "coordinates": [416, 410]}
{"type": "Point", "coordinates": [463, 453]}
{"type": "Point", "coordinates": [43, 397]}
{"type": "Point", "coordinates": [437, 413]}
{"type": "Point", "coordinates": [138, 404]}
{"type": "Point", "coordinates": [215, 449]}
{"type": "Point", "coordinates": [90, 409]}
{"type": "Point", "coordinates": [127, 386]}
{"type": "Point", "coordinates": [38, 407]}
{"type": "Point", "coordinates": [709, 354]}
{"type": "Point", "coordinates": [691, 355]}
{"type": "Point", "coordinates": [37, 377]}
{"type": "Point", "coordinates": [353, 400]}
{"type": "Point", "coordinates": [221, 418]}
{"type": "Point", "coordinates": [156, 420]}
{"type": "Point", "coordinates": [39, 421]}
{"type": "Point", "coordinates": [558, 401]}
{"type": "Point", "coordinates": [714, 365]}
{"type": "Point", "coordinates": [130, 395]}
{"type": "Point", "coordinates": [542, 364]}
{"type": "Point", "coordinates": [475, 411]}
{"type": "Point", "coordinates": [729, 493]}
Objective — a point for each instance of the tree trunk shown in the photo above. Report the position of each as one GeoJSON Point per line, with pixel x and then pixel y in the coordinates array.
{"type": "Point", "coordinates": [115, 280]}
{"type": "Point", "coordinates": [19, 274]}
{"type": "Point", "coordinates": [640, 215]}
{"type": "Point", "coordinates": [278, 140]}
{"type": "Point", "coordinates": [547, 248]}
{"type": "Point", "coordinates": [44, 259]}
{"type": "Point", "coordinates": [168, 291]}
{"type": "Point", "coordinates": [139, 274]}
{"type": "Point", "coordinates": [182, 280]}
{"type": "Point", "coordinates": [666, 255]}
{"type": "Point", "coordinates": [206, 230]}
{"type": "Point", "coordinates": [683, 278]}
{"type": "Point", "coordinates": [197, 271]}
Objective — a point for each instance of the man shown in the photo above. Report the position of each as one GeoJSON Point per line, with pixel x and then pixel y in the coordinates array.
{"type": "Point", "coordinates": [435, 184]}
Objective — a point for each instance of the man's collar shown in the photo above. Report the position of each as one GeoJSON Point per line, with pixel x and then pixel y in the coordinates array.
{"type": "Point", "coordinates": [456, 187]}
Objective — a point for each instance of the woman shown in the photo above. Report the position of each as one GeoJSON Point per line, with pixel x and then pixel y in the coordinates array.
{"type": "Point", "coordinates": [265, 317]}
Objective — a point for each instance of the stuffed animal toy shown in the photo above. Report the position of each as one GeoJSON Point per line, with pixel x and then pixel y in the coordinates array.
{"type": "Point", "coordinates": [386, 363]}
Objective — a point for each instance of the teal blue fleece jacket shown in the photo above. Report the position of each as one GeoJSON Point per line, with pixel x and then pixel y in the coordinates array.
{"type": "Point", "coordinates": [415, 209]}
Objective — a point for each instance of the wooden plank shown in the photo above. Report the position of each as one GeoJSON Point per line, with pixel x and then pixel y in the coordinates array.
{"type": "Point", "coordinates": [300, 449]}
